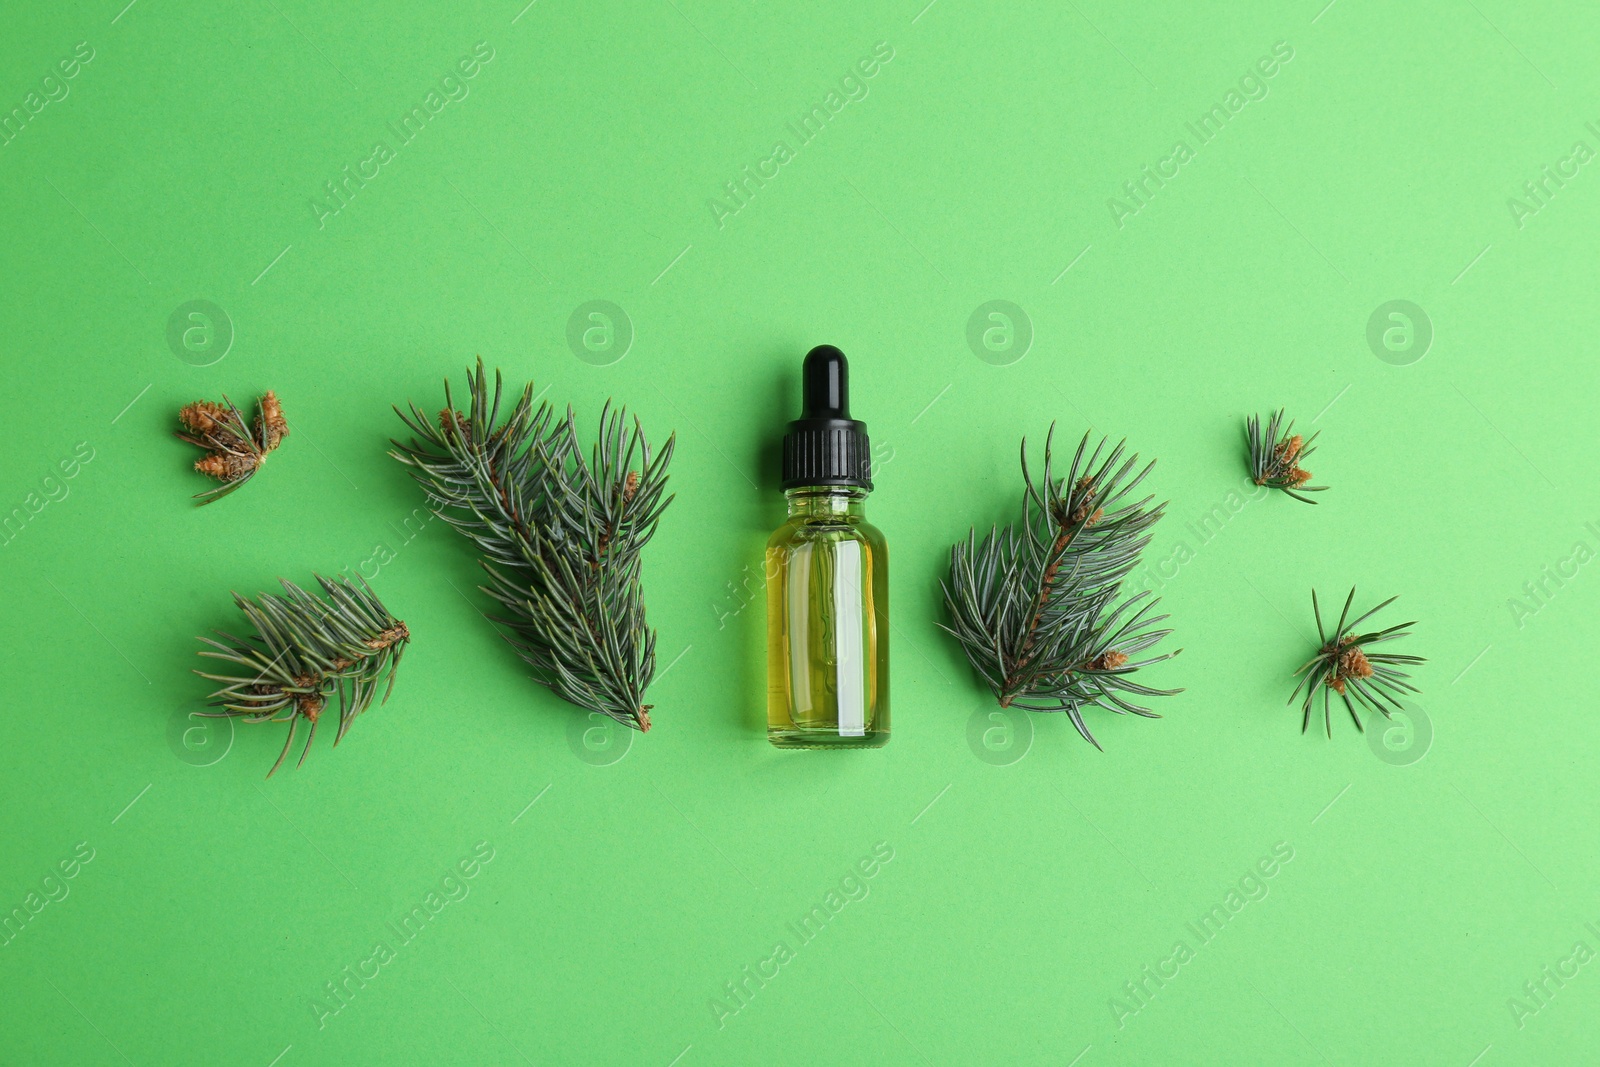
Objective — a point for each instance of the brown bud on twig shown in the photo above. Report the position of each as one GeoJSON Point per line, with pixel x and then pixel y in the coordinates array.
{"type": "Point", "coordinates": [1085, 509]}
{"type": "Point", "coordinates": [1353, 664]}
{"type": "Point", "coordinates": [271, 427]}
{"type": "Point", "coordinates": [397, 632]}
{"type": "Point", "coordinates": [450, 421]}
{"type": "Point", "coordinates": [202, 416]}
{"type": "Point", "coordinates": [227, 466]}
{"type": "Point", "coordinates": [310, 705]}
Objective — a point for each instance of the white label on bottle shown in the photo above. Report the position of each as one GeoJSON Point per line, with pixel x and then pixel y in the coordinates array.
{"type": "Point", "coordinates": [849, 650]}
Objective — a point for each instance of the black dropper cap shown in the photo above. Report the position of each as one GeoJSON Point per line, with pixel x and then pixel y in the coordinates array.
{"type": "Point", "coordinates": [825, 446]}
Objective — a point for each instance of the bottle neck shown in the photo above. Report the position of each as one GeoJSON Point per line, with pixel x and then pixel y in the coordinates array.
{"type": "Point", "coordinates": [818, 501]}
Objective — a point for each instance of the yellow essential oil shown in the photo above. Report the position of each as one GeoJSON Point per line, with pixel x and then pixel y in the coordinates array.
{"type": "Point", "coordinates": [827, 579]}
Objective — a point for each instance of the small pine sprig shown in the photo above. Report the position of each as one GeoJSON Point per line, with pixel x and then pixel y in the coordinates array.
{"type": "Point", "coordinates": [1036, 609]}
{"type": "Point", "coordinates": [1275, 456]}
{"type": "Point", "coordinates": [1345, 665]}
{"type": "Point", "coordinates": [560, 535]}
{"type": "Point", "coordinates": [305, 650]}
{"type": "Point", "coordinates": [235, 450]}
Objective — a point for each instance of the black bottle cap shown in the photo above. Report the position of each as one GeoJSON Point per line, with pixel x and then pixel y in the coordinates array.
{"type": "Point", "coordinates": [825, 446]}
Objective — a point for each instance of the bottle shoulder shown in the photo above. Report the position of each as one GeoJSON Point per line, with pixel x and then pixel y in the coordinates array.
{"type": "Point", "coordinates": [812, 529]}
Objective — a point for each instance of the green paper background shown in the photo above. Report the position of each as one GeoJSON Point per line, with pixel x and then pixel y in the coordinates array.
{"type": "Point", "coordinates": [1032, 878]}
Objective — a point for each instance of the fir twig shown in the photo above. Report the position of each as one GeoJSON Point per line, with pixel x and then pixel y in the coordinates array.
{"type": "Point", "coordinates": [560, 535]}
{"type": "Point", "coordinates": [1275, 456]}
{"type": "Point", "coordinates": [1037, 610]}
{"type": "Point", "coordinates": [235, 450]}
{"type": "Point", "coordinates": [1345, 665]}
{"type": "Point", "coordinates": [303, 651]}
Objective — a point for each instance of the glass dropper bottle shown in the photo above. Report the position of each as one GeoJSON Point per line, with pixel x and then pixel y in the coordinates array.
{"type": "Point", "coordinates": [827, 574]}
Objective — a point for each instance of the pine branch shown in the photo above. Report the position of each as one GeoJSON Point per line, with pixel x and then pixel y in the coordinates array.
{"type": "Point", "coordinates": [1275, 456]}
{"type": "Point", "coordinates": [1037, 610]}
{"type": "Point", "coordinates": [1346, 665]}
{"type": "Point", "coordinates": [235, 450]}
{"type": "Point", "coordinates": [560, 535]}
{"type": "Point", "coordinates": [303, 651]}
